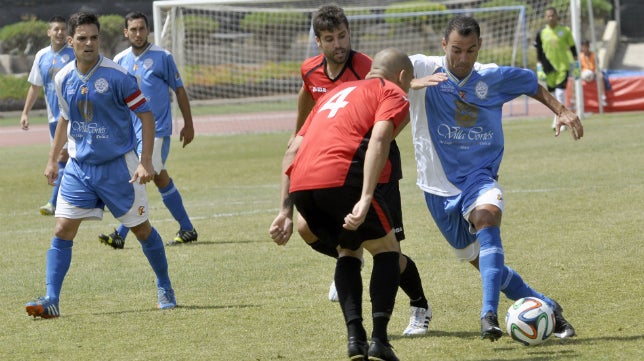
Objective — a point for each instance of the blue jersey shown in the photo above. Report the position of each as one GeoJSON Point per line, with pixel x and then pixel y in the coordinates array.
{"type": "Point", "coordinates": [46, 65]}
{"type": "Point", "coordinates": [157, 73]}
{"type": "Point", "coordinates": [98, 106]}
{"type": "Point", "coordinates": [456, 125]}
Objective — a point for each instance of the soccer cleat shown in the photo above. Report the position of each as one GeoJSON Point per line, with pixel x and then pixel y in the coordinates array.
{"type": "Point", "coordinates": [166, 299]}
{"type": "Point", "coordinates": [42, 307]}
{"type": "Point", "coordinates": [183, 237]}
{"type": "Point", "coordinates": [418, 322]}
{"type": "Point", "coordinates": [381, 351]}
{"type": "Point", "coordinates": [357, 349]}
{"type": "Point", "coordinates": [563, 328]}
{"type": "Point", "coordinates": [113, 239]}
{"type": "Point", "coordinates": [48, 209]}
{"type": "Point", "coordinates": [333, 293]}
{"type": "Point", "coordinates": [490, 327]}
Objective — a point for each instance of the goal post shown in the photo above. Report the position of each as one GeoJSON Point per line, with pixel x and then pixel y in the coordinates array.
{"type": "Point", "coordinates": [244, 51]}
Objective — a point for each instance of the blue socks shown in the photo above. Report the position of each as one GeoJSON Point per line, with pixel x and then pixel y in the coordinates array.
{"type": "Point", "coordinates": [496, 276]}
{"type": "Point", "coordinates": [514, 287]}
{"type": "Point", "coordinates": [491, 266]}
{"type": "Point", "coordinates": [59, 257]}
{"type": "Point", "coordinates": [173, 201]}
{"type": "Point", "coordinates": [155, 252]}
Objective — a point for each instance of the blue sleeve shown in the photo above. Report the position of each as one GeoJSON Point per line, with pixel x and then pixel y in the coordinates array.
{"type": "Point", "coordinates": [172, 76]}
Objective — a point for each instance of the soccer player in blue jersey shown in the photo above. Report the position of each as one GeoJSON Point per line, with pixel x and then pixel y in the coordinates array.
{"type": "Point", "coordinates": [156, 72]}
{"type": "Point", "coordinates": [47, 63]}
{"type": "Point", "coordinates": [458, 142]}
{"type": "Point", "coordinates": [96, 97]}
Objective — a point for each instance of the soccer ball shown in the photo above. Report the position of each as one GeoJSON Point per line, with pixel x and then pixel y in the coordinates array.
{"type": "Point", "coordinates": [587, 75]}
{"type": "Point", "coordinates": [530, 321]}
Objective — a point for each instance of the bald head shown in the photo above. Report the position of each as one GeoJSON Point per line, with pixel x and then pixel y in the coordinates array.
{"type": "Point", "coordinates": [393, 65]}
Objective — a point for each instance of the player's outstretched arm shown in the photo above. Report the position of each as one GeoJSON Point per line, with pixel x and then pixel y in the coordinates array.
{"type": "Point", "coordinates": [60, 138]}
{"type": "Point", "coordinates": [187, 133]}
{"type": "Point", "coordinates": [375, 159]}
{"type": "Point", "coordinates": [145, 170]}
{"type": "Point", "coordinates": [32, 95]}
{"type": "Point", "coordinates": [430, 80]}
{"type": "Point", "coordinates": [305, 104]}
{"type": "Point", "coordinates": [282, 227]}
{"type": "Point", "coordinates": [564, 115]}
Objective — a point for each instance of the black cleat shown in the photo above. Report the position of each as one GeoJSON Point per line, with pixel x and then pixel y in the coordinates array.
{"type": "Point", "coordinates": [357, 349]}
{"type": "Point", "coordinates": [113, 240]}
{"type": "Point", "coordinates": [381, 351]}
{"type": "Point", "coordinates": [563, 328]}
{"type": "Point", "coordinates": [183, 237]}
{"type": "Point", "coordinates": [490, 327]}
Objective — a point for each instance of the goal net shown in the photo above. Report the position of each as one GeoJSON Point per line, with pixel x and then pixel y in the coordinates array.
{"type": "Point", "coordinates": [252, 50]}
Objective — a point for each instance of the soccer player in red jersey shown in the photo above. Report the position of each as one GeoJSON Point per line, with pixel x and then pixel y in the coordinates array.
{"type": "Point", "coordinates": [336, 64]}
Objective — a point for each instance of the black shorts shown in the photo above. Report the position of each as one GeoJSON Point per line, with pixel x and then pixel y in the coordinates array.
{"type": "Point", "coordinates": [391, 192]}
{"type": "Point", "coordinates": [325, 209]}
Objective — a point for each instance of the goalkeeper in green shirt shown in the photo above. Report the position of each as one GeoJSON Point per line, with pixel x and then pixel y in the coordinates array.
{"type": "Point", "coordinates": [555, 52]}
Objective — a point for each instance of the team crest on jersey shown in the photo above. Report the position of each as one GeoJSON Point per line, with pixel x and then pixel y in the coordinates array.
{"type": "Point", "coordinates": [101, 85]}
{"type": "Point", "coordinates": [481, 89]}
{"type": "Point", "coordinates": [64, 58]}
{"type": "Point", "coordinates": [148, 63]}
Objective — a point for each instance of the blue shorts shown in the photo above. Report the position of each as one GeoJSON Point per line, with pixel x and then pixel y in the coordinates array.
{"type": "Point", "coordinates": [160, 152]}
{"type": "Point", "coordinates": [86, 189]}
{"type": "Point", "coordinates": [451, 213]}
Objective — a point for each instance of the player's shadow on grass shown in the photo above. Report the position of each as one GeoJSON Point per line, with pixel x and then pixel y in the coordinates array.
{"type": "Point", "coordinates": [438, 333]}
{"type": "Point", "coordinates": [178, 308]}
{"type": "Point", "coordinates": [210, 243]}
{"type": "Point", "coordinates": [202, 307]}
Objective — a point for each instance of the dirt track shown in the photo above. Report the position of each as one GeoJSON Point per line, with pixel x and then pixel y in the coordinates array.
{"type": "Point", "coordinates": [239, 123]}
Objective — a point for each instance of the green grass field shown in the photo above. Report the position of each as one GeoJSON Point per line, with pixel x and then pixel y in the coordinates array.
{"type": "Point", "coordinates": [572, 228]}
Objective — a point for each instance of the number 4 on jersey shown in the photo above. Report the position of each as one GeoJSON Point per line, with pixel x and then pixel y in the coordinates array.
{"type": "Point", "coordinates": [337, 102]}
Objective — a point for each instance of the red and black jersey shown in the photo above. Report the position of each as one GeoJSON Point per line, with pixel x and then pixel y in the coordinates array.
{"type": "Point", "coordinates": [337, 132]}
{"type": "Point", "coordinates": [318, 83]}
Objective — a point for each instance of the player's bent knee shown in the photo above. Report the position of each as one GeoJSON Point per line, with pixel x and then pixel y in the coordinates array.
{"type": "Point", "coordinates": [142, 231]}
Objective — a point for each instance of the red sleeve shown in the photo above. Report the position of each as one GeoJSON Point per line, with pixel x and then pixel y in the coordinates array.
{"type": "Point", "coordinates": [393, 106]}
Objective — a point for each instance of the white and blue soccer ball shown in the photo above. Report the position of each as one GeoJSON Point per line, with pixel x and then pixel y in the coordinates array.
{"type": "Point", "coordinates": [530, 321]}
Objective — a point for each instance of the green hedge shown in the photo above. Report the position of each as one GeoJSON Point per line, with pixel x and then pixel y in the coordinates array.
{"type": "Point", "coordinates": [19, 35]}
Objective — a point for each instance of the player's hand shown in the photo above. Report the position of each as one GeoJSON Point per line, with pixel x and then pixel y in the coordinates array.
{"type": "Point", "coordinates": [572, 121]}
{"type": "Point", "coordinates": [430, 80]}
{"type": "Point", "coordinates": [576, 70]}
{"type": "Point", "coordinates": [186, 135]}
{"type": "Point", "coordinates": [356, 218]}
{"type": "Point", "coordinates": [51, 172]}
{"type": "Point", "coordinates": [281, 229]}
{"type": "Point", "coordinates": [143, 174]}
{"type": "Point", "coordinates": [24, 122]}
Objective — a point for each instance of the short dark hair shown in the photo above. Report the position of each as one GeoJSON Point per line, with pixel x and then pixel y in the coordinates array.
{"type": "Point", "coordinates": [136, 15]}
{"type": "Point", "coordinates": [551, 8]}
{"type": "Point", "coordinates": [82, 18]}
{"type": "Point", "coordinates": [57, 19]}
{"type": "Point", "coordinates": [329, 17]}
{"type": "Point", "coordinates": [464, 25]}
